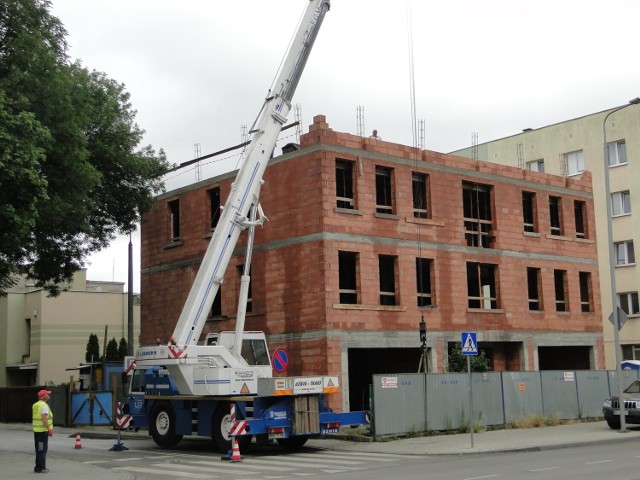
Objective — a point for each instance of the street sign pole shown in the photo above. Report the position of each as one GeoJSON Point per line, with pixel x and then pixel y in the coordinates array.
{"type": "Point", "coordinates": [470, 347]}
{"type": "Point", "coordinates": [470, 398]}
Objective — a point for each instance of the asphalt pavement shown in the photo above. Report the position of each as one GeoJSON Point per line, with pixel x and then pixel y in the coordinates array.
{"type": "Point", "coordinates": [19, 466]}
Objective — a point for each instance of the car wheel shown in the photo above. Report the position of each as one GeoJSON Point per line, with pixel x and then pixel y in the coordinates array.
{"type": "Point", "coordinates": [613, 424]}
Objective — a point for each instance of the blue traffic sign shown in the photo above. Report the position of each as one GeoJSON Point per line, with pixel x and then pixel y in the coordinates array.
{"type": "Point", "coordinates": [280, 360]}
{"type": "Point", "coordinates": [469, 343]}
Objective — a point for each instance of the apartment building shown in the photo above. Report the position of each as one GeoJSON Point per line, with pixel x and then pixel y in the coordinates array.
{"type": "Point", "coordinates": [366, 238]}
{"type": "Point", "coordinates": [570, 149]}
{"type": "Point", "coordinates": [43, 336]}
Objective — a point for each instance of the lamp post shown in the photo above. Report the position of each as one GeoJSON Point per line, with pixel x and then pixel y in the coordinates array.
{"type": "Point", "coordinates": [612, 272]}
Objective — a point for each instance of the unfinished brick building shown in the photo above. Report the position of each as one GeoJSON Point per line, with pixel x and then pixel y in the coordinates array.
{"type": "Point", "coordinates": [367, 237]}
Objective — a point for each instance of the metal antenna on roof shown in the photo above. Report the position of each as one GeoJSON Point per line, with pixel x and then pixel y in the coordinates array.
{"type": "Point", "coordinates": [196, 154]}
{"type": "Point", "coordinates": [297, 115]}
{"type": "Point", "coordinates": [360, 120]}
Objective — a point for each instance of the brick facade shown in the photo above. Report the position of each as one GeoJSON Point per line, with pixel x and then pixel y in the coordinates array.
{"type": "Point", "coordinates": [295, 275]}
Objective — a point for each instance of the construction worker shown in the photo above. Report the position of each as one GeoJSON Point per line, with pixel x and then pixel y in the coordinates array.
{"type": "Point", "coordinates": [42, 420]}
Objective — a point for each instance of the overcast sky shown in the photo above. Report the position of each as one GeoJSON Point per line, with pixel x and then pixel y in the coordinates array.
{"type": "Point", "coordinates": [198, 70]}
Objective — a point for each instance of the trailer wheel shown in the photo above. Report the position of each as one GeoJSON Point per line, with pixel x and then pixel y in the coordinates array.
{"type": "Point", "coordinates": [293, 443]}
{"type": "Point", "coordinates": [163, 425]}
{"type": "Point", "coordinates": [221, 427]}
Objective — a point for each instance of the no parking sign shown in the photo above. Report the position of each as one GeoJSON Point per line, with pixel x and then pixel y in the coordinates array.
{"type": "Point", "coordinates": [280, 360]}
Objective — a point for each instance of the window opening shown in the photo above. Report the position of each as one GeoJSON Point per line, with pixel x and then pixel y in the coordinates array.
{"type": "Point", "coordinates": [216, 307]}
{"type": "Point", "coordinates": [481, 286]}
{"type": "Point", "coordinates": [529, 211]}
{"type": "Point", "coordinates": [580, 214]}
{"type": "Point", "coordinates": [384, 193]}
{"type": "Point", "coordinates": [574, 162]}
{"type": "Point", "coordinates": [174, 219]}
{"type": "Point", "coordinates": [617, 153]}
{"type": "Point", "coordinates": [555, 215]}
{"type": "Point", "coordinates": [536, 166]}
{"type": "Point", "coordinates": [419, 186]}
{"type": "Point", "coordinates": [586, 295]}
{"type": "Point", "coordinates": [347, 277]}
{"type": "Point", "coordinates": [423, 281]}
{"type": "Point", "coordinates": [625, 253]}
{"type": "Point", "coordinates": [344, 184]}
{"type": "Point", "coordinates": [629, 303]}
{"type": "Point", "coordinates": [476, 199]}
{"type": "Point", "coordinates": [214, 207]}
{"type": "Point", "coordinates": [387, 272]}
{"type": "Point", "coordinates": [560, 283]}
{"type": "Point", "coordinates": [620, 203]}
{"type": "Point", "coordinates": [534, 286]}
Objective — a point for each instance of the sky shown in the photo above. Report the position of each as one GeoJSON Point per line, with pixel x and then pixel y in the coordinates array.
{"type": "Point", "coordinates": [199, 70]}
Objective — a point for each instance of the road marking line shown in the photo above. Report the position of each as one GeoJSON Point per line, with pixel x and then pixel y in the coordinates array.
{"type": "Point", "coordinates": [599, 461]}
{"type": "Point", "coordinates": [544, 469]}
{"type": "Point", "coordinates": [250, 462]}
{"type": "Point", "coordinates": [156, 471]}
{"type": "Point", "coordinates": [218, 469]}
{"type": "Point", "coordinates": [479, 478]}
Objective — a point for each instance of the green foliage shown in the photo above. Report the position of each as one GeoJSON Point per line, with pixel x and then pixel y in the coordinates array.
{"type": "Point", "coordinates": [123, 349]}
{"type": "Point", "coordinates": [93, 349]}
{"type": "Point", "coordinates": [73, 175]}
{"type": "Point", "coordinates": [112, 354]}
{"type": "Point", "coordinates": [458, 361]}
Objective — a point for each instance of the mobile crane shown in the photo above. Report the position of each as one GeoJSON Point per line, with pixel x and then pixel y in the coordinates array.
{"type": "Point", "coordinates": [186, 388]}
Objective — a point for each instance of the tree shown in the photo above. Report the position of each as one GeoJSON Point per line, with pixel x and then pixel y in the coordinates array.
{"type": "Point", "coordinates": [73, 175]}
{"type": "Point", "coordinates": [123, 349]}
{"type": "Point", "coordinates": [93, 349]}
{"type": "Point", "coordinates": [458, 362]}
{"type": "Point", "coordinates": [112, 354]}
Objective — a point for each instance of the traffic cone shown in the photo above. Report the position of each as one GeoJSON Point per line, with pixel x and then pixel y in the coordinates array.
{"type": "Point", "coordinates": [78, 444]}
{"type": "Point", "coordinates": [235, 452]}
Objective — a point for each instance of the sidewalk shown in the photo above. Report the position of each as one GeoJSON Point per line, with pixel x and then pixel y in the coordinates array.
{"type": "Point", "coordinates": [508, 440]}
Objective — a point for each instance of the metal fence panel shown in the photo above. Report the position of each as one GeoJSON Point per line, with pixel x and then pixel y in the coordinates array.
{"type": "Point", "coordinates": [447, 401]}
{"type": "Point", "coordinates": [628, 377]}
{"type": "Point", "coordinates": [559, 394]}
{"type": "Point", "coordinates": [593, 389]}
{"type": "Point", "coordinates": [522, 394]}
{"type": "Point", "coordinates": [487, 398]}
{"type": "Point", "coordinates": [399, 403]}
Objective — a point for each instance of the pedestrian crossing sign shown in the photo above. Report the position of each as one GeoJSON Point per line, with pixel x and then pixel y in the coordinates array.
{"type": "Point", "coordinates": [469, 343]}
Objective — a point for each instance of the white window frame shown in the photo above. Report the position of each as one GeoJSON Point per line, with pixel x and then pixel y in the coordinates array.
{"type": "Point", "coordinates": [625, 253]}
{"type": "Point", "coordinates": [617, 153]}
{"type": "Point", "coordinates": [630, 299]}
{"type": "Point", "coordinates": [536, 166]}
{"type": "Point", "coordinates": [620, 203]}
{"type": "Point", "coordinates": [574, 162]}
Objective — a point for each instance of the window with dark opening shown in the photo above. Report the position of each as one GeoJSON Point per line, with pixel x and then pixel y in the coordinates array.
{"type": "Point", "coordinates": [249, 294]}
{"type": "Point", "coordinates": [344, 184]}
{"type": "Point", "coordinates": [625, 253]}
{"type": "Point", "coordinates": [560, 283]}
{"type": "Point", "coordinates": [481, 286]}
{"type": "Point", "coordinates": [387, 272]}
{"type": "Point", "coordinates": [529, 212]}
{"type": "Point", "coordinates": [534, 287]}
{"type": "Point", "coordinates": [476, 200]}
{"type": "Point", "coordinates": [555, 215]}
{"type": "Point", "coordinates": [384, 192]}
{"type": "Point", "coordinates": [419, 187]}
{"type": "Point", "coordinates": [580, 213]}
{"type": "Point", "coordinates": [216, 307]}
{"type": "Point", "coordinates": [423, 281]}
{"type": "Point", "coordinates": [214, 207]}
{"type": "Point", "coordinates": [629, 303]}
{"type": "Point", "coordinates": [174, 219]}
{"type": "Point", "coordinates": [348, 277]}
{"type": "Point", "coordinates": [586, 295]}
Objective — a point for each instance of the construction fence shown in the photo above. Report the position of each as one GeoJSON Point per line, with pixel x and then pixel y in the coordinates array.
{"type": "Point", "coordinates": [418, 402]}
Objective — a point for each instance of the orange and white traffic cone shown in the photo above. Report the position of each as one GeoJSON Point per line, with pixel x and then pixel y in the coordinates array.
{"type": "Point", "coordinates": [235, 451]}
{"type": "Point", "coordinates": [78, 444]}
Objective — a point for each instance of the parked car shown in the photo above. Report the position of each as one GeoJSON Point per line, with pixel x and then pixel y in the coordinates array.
{"type": "Point", "coordinates": [611, 407]}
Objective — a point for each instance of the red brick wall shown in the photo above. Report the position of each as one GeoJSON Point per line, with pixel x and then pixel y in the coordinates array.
{"type": "Point", "coordinates": [295, 283]}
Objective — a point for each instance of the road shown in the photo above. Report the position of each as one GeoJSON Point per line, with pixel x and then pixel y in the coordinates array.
{"type": "Point", "coordinates": [194, 459]}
